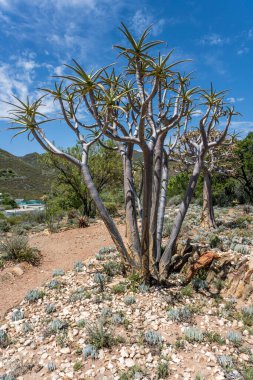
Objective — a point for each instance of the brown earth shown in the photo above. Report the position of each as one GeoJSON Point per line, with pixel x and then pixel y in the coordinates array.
{"type": "Point", "coordinates": [58, 250]}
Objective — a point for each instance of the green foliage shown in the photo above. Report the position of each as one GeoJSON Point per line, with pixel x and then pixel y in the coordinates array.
{"type": "Point", "coordinates": [177, 185]}
{"type": "Point", "coordinates": [112, 208]}
{"type": "Point", "coordinates": [68, 190]}
{"type": "Point", "coordinates": [214, 337]}
{"type": "Point", "coordinates": [180, 315]}
{"type": "Point", "coordinates": [78, 266]}
{"type": "Point", "coordinates": [99, 336]}
{"type": "Point", "coordinates": [134, 372]}
{"type": "Point", "coordinates": [79, 294]}
{"type": "Point", "coordinates": [129, 300]}
{"type": "Point", "coordinates": [100, 280]}
{"type": "Point", "coordinates": [16, 248]}
{"type": "Point", "coordinates": [34, 295]}
{"type": "Point", "coordinates": [163, 369]}
{"type": "Point", "coordinates": [17, 315]}
{"type": "Point", "coordinates": [81, 323]}
{"type": "Point", "coordinates": [245, 167]}
{"type": "Point", "coordinates": [234, 337]}
{"type": "Point", "coordinates": [51, 367]}
{"type": "Point", "coordinates": [118, 288]}
{"type": "Point", "coordinates": [55, 326]}
{"type": "Point", "coordinates": [225, 361]}
{"type": "Point", "coordinates": [90, 351]}
{"type": "Point", "coordinates": [50, 308]}
{"type": "Point", "coordinates": [248, 373]}
{"type": "Point", "coordinates": [4, 339]}
{"type": "Point", "coordinates": [153, 338]}
{"type": "Point", "coordinates": [192, 334]}
{"type": "Point", "coordinates": [77, 366]}
{"type": "Point", "coordinates": [58, 272]}
{"type": "Point", "coordinates": [247, 315]}
{"type": "Point", "coordinates": [4, 226]}
{"type": "Point", "coordinates": [6, 199]}
{"type": "Point", "coordinates": [187, 291]}
{"type": "Point", "coordinates": [54, 284]}
{"type": "Point", "coordinates": [215, 241]}
{"type": "Point", "coordinates": [26, 327]}
{"type": "Point", "coordinates": [111, 268]}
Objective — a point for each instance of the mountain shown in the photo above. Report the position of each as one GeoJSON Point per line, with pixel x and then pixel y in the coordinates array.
{"type": "Point", "coordinates": [23, 177]}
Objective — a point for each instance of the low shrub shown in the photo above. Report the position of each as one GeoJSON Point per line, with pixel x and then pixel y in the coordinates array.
{"type": "Point", "coordinates": [34, 295]}
{"type": "Point", "coordinates": [4, 339]}
{"type": "Point", "coordinates": [99, 335]}
{"type": "Point", "coordinates": [192, 334]}
{"type": "Point", "coordinates": [17, 249]}
{"type": "Point", "coordinates": [153, 338]}
{"type": "Point", "coordinates": [58, 272]}
{"type": "Point", "coordinates": [17, 315]}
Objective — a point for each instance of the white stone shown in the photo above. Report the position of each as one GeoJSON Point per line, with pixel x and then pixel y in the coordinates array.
{"type": "Point", "coordinates": [65, 350]}
{"type": "Point", "coordinates": [129, 362]}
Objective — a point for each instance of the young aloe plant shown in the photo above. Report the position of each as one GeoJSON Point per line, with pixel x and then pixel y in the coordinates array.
{"type": "Point", "coordinates": [193, 334]}
{"type": "Point", "coordinates": [4, 339]}
{"type": "Point", "coordinates": [90, 351]}
{"type": "Point", "coordinates": [153, 338]}
{"type": "Point", "coordinates": [51, 367]}
{"type": "Point", "coordinates": [17, 315]}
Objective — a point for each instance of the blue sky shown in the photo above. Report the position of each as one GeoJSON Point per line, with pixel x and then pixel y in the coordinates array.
{"type": "Point", "coordinates": [38, 37]}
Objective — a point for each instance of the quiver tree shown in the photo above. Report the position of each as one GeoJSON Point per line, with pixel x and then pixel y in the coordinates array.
{"type": "Point", "coordinates": [196, 144]}
{"type": "Point", "coordinates": [138, 106]}
{"type": "Point", "coordinates": [218, 160]}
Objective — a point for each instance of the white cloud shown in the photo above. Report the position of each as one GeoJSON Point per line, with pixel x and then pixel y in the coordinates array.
{"type": "Point", "coordinates": [197, 113]}
{"type": "Point", "coordinates": [242, 127]}
{"type": "Point", "coordinates": [214, 40]}
{"type": "Point", "coordinates": [250, 34]}
{"type": "Point", "coordinates": [243, 50]}
{"type": "Point", "coordinates": [5, 3]}
{"type": "Point", "coordinates": [10, 86]}
{"type": "Point", "coordinates": [234, 100]}
{"type": "Point", "coordinates": [142, 19]}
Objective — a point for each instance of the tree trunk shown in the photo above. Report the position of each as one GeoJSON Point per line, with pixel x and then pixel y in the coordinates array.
{"type": "Point", "coordinates": [162, 205]}
{"type": "Point", "coordinates": [156, 189]}
{"type": "Point", "coordinates": [166, 257]}
{"type": "Point", "coordinates": [207, 217]}
{"type": "Point", "coordinates": [147, 204]}
{"type": "Point", "coordinates": [132, 232]}
{"type": "Point", "coordinates": [115, 235]}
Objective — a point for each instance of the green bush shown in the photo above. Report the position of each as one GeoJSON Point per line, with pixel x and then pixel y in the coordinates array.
{"type": "Point", "coordinates": [112, 208]}
{"type": "Point", "coordinates": [4, 226]}
{"type": "Point", "coordinates": [17, 249]}
{"type": "Point", "coordinates": [99, 336]}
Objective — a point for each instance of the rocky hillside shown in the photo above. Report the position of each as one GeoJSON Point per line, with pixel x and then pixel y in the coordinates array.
{"type": "Point", "coordinates": [23, 177]}
{"type": "Point", "coordinates": [92, 323]}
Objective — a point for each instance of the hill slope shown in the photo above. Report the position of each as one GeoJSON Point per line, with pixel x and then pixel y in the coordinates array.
{"type": "Point", "coordinates": [23, 177]}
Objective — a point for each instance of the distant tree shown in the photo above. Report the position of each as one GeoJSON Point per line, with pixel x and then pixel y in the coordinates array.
{"type": "Point", "coordinates": [69, 189]}
{"type": "Point", "coordinates": [244, 165]}
{"type": "Point", "coordinates": [140, 106]}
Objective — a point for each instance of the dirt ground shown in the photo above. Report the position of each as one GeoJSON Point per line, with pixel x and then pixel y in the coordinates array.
{"type": "Point", "coordinates": [59, 250]}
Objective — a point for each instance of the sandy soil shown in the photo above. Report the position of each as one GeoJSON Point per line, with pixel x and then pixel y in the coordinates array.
{"type": "Point", "coordinates": [59, 250]}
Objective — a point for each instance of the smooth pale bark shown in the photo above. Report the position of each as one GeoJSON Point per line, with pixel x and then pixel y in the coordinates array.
{"type": "Point", "coordinates": [166, 257]}
{"type": "Point", "coordinates": [105, 216]}
{"type": "Point", "coordinates": [132, 232]}
{"type": "Point", "coordinates": [162, 205]}
{"type": "Point", "coordinates": [156, 188]}
{"type": "Point", "coordinates": [207, 217]}
{"type": "Point", "coordinates": [147, 204]}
